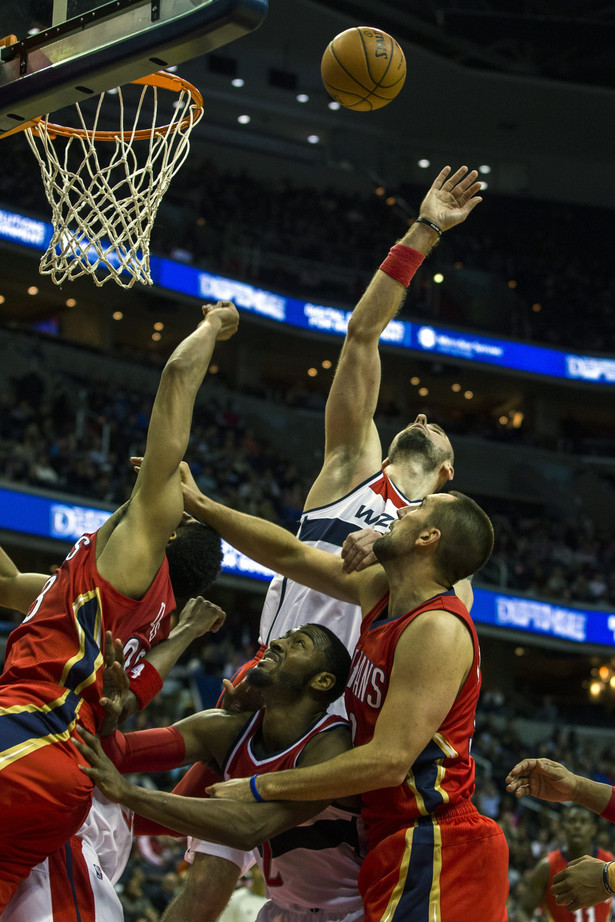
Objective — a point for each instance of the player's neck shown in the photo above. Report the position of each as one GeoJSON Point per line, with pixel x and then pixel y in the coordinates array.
{"type": "Point", "coordinates": [286, 722]}
{"type": "Point", "coordinates": [410, 586]}
{"type": "Point", "coordinates": [412, 480]}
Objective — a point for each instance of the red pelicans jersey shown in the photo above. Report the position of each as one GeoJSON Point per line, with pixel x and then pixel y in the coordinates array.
{"type": "Point", "coordinates": [554, 913]}
{"type": "Point", "coordinates": [443, 774]}
{"type": "Point", "coordinates": [54, 658]}
{"type": "Point", "coordinates": [316, 865]}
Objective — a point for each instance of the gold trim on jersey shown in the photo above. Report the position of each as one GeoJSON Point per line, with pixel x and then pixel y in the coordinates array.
{"type": "Point", "coordinates": [22, 749]}
{"type": "Point", "coordinates": [398, 890]}
{"type": "Point", "coordinates": [400, 886]}
{"type": "Point", "coordinates": [434, 893]}
{"type": "Point", "coordinates": [449, 753]}
{"type": "Point", "coordinates": [79, 602]}
{"type": "Point", "coordinates": [420, 803]}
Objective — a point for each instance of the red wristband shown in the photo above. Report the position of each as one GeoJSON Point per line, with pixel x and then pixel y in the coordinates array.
{"type": "Point", "coordinates": [401, 263]}
{"type": "Point", "coordinates": [157, 750]}
{"type": "Point", "coordinates": [145, 682]}
{"type": "Point", "coordinates": [609, 811]}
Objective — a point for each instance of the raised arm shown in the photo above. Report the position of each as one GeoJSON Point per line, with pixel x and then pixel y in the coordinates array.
{"type": "Point", "coordinates": [274, 547]}
{"type": "Point", "coordinates": [130, 551]}
{"type": "Point", "coordinates": [18, 590]}
{"type": "Point", "coordinates": [418, 686]}
{"type": "Point", "coordinates": [352, 444]}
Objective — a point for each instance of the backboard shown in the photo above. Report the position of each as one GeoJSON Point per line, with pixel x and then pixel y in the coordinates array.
{"type": "Point", "coordinates": [61, 51]}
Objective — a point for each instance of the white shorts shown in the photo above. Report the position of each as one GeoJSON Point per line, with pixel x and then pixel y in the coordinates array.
{"type": "Point", "coordinates": [243, 860]}
{"type": "Point", "coordinates": [271, 912]}
{"type": "Point", "coordinates": [94, 892]}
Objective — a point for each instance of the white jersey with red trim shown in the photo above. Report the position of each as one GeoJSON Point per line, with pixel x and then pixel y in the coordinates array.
{"type": "Point", "coordinates": [372, 504]}
{"type": "Point", "coordinates": [314, 866]}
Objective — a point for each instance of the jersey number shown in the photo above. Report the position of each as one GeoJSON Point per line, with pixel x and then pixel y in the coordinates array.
{"type": "Point", "coordinates": [585, 915]}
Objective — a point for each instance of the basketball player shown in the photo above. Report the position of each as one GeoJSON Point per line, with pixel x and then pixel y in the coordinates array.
{"type": "Point", "coordinates": [81, 876]}
{"type": "Point", "coordinates": [586, 881]}
{"type": "Point", "coordinates": [579, 828]}
{"type": "Point", "coordinates": [117, 580]}
{"type": "Point", "coordinates": [355, 491]}
{"type": "Point", "coordinates": [411, 699]}
{"type": "Point", "coordinates": [310, 869]}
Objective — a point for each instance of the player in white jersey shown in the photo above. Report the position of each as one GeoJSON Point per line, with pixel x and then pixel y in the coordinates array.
{"type": "Point", "coordinates": [310, 854]}
{"type": "Point", "coordinates": [355, 488]}
{"type": "Point", "coordinates": [315, 866]}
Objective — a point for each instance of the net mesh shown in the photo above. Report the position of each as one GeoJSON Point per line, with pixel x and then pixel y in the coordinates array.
{"type": "Point", "coordinates": [105, 187]}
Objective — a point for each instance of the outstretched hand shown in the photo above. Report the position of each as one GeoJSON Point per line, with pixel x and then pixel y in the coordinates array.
{"type": "Point", "coordinates": [451, 198]}
{"type": "Point", "coordinates": [101, 769]}
{"type": "Point", "coordinates": [541, 778]}
{"type": "Point", "coordinates": [116, 686]}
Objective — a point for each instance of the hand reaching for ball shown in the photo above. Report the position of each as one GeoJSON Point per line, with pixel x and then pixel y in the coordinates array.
{"type": "Point", "coordinates": [451, 197]}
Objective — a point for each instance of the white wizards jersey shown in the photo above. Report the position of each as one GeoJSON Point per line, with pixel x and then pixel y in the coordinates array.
{"type": "Point", "coordinates": [315, 866]}
{"type": "Point", "coordinates": [372, 504]}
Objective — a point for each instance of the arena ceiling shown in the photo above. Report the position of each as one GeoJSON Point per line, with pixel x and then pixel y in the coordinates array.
{"type": "Point", "coordinates": [525, 86]}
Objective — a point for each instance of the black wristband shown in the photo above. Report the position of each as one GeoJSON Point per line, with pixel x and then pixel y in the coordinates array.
{"type": "Point", "coordinates": [429, 223]}
{"type": "Point", "coordinates": [605, 878]}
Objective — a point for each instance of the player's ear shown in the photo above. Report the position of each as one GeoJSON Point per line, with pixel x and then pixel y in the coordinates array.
{"type": "Point", "coordinates": [428, 536]}
{"type": "Point", "coordinates": [323, 681]}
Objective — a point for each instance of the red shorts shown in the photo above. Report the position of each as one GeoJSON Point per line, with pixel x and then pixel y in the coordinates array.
{"type": "Point", "coordinates": [44, 795]}
{"type": "Point", "coordinates": [453, 868]}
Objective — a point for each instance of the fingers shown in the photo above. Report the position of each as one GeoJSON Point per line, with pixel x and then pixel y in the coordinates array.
{"type": "Point", "coordinates": [136, 462]}
{"type": "Point", "coordinates": [457, 176]}
{"type": "Point", "coordinates": [441, 177]}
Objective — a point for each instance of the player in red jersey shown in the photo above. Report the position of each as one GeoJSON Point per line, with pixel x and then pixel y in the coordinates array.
{"type": "Point", "coordinates": [579, 828]}
{"type": "Point", "coordinates": [586, 881]}
{"type": "Point", "coordinates": [119, 580]}
{"type": "Point", "coordinates": [411, 699]}
{"type": "Point", "coordinates": [308, 868]}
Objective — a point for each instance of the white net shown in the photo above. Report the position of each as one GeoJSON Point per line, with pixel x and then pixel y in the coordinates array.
{"type": "Point", "coordinates": [105, 187]}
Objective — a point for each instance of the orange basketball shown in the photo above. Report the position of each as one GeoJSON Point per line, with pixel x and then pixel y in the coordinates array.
{"type": "Point", "coordinates": [363, 68]}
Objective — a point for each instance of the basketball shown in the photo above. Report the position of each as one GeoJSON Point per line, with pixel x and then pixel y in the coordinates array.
{"type": "Point", "coordinates": [363, 68]}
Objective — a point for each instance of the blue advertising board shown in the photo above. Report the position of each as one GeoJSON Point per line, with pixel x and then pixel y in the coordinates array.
{"type": "Point", "coordinates": [420, 338]}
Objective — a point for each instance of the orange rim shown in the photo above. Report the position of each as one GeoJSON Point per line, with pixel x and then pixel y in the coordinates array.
{"type": "Point", "coordinates": [161, 79]}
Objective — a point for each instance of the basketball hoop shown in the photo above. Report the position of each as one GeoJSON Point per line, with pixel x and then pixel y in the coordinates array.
{"type": "Point", "coordinates": [104, 199]}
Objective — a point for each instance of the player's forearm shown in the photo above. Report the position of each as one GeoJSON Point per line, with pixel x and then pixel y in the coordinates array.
{"type": "Point", "coordinates": [592, 794]}
{"type": "Point", "coordinates": [18, 590]}
{"type": "Point", "coordinates": [353, 772]}
{"type": "Point", "coordinates": [385, 295]}
{"type": "Point", "coordinates": [274, 547]}
{"type": "Point", "coordinates": [180, 381]}
{"type": "Point", "coordinates": [164, 655]}
{"type": "Point", "coordinates": [237, 825]}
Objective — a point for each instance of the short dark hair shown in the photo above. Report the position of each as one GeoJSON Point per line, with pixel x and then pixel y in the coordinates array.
{"type": "Point", "coordinates": [195, 557]}
{"type": "Point", "coordinates": [466, 540]}
{"type": "Point", "coordinates": [335, 659]}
